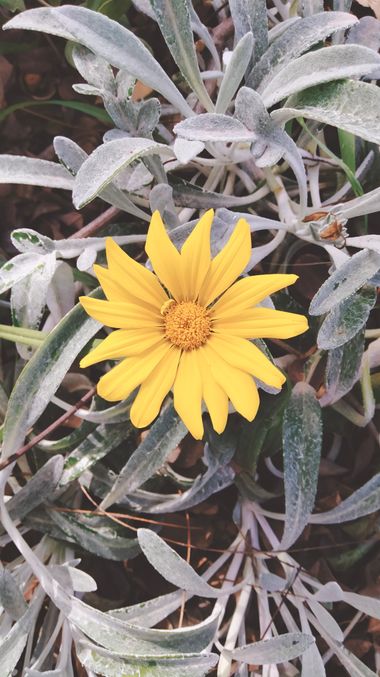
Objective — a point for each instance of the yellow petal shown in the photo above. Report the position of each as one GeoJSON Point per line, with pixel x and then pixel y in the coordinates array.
{"type": "Point", "coordinates": [115, 291]}
{"type": "Point", "coordinates": [119, 314]}
{"type": "Point", "coordinates": [248, 292]}
{"type": "Point", "coordinates": [147, 404]}
{"type": "Point", "coordinates": [133, 277]}
{"type": "Point", "coordinates": [228, 264]}
{"type": "Point", "coordinates": [118, 383]}
{"type": "Point", "coordinates": [244, 355]}
{"type": "Point", "coordinates": [239, 386]}
{"type": "Point", "coordinates": [122, 343]}
{"type": "Point", "coordinates": [263, 323]}
{"type": "Point", "coordinates": [188, 393]}
{"type": "Point", "coordinates": [196, 256]}
{"type": "Point", "coordinates": [214, 396]}
{"type": "Point", "coordinates": [165, 258]}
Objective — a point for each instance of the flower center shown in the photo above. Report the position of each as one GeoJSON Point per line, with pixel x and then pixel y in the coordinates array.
{"type": "Point", "coordinates": [187, 324]}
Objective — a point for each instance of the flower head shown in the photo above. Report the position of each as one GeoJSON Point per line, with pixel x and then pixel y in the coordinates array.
{"type": "Point", "coordinates": [185, 327]}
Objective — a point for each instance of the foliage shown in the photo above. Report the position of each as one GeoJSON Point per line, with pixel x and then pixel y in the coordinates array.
{"type": "Point", "coordinates": [255, 135]}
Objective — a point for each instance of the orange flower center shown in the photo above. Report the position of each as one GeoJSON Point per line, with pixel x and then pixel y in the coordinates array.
{"type": "Point", "coordinates": [187, 324]}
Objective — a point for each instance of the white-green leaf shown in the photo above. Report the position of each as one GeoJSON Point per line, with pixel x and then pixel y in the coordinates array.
{"type": "Point", "coordinates": [234, 74]}
{"type": "Point", "coordinates": [302, 441]}
{"type": "Point", "coordinates": [365, 204]}
{"type": "Point", "coordinates": [34, 172]}
{"type": "Point", "coordinates": [346, 280]}
{"type": "Point", "coordinates": [11, 597]}
{"type": "Point", "coordinates": [172, 567]}
{"type": "Point", "coordinates": [164, 435]}
{"type": "Point", "coordinates": [18, 269]}
{"type": "Point", "coordinates": [251, 16]}
{"type": "Point", "coordinates": [94, 447]}
{"type": "Point", "coordinates": [106, 162]}
{"type": "Point", "coordinates": [364, 501]}
{"type": "Point", "coordinates": [342, 369]}
{"type": "Point", "coordinates": [348, 104]}
{"type": "Point", "coordinates": [105, 37]}
{"type": "Point", "coordinates": [213, 127]}
{"type": "Point", "coordinates": [43, 374]}
{"type": "Point", "coordinates": [39, 489]}
{"type": "Point", "coordinates": [95, 534]}
{"type": "Point", "coordinates": [12, 645]}
{"type": "Point", "coordinates": [323, 65]}
{"type": "Point", "coordinates": [274, 650]}
{"type": "Point", "coordinates": [272, 142]}
{"type": "Point", "coordinates": [151, 612]}
{"type": "Point", "coordinates": [346, 319]}
{"type": "Point", "coordinates": [296, 40]}
{"type": "Point", "coordinates": [173, 18]}
{"type": "Point", "coordinates": [111, 665]}
{"type": "Point", "coordinates": [28, 298]}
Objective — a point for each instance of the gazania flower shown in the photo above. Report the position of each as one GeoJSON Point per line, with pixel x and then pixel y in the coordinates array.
{"type": "Point", "coordinates": [186, 326]}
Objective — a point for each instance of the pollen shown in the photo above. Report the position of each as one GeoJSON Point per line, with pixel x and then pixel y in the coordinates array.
{"type": "Point", "coordinates": [187, 325]}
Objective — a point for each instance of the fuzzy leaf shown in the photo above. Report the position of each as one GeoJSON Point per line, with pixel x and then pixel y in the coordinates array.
{"type": "Point", "coordinates": [364, 501]}
{"type": "Point", "coordinates": [342, 370]}
{"type": "Point", "coordinates": [251, 16]}
{"type": "Point", "coordinates": [348, 104]}
{"type": "Point", "coordinates": [235, 70]}
{"type": "Point", "coordinates": [274, 650]}
{"type": "Point", "coordinates": [296, 40]}
{"type": "Point", "coordinates": [111, 665]}
{"type": "Point", "coordinates": [164, 435]}
{"type": "Point", "coordinates": [34, 172]}
{"type": "Point", "coordinates": [107, 38]}
{"type": "Point", "coordinates": [43, 374]}
{"type": "Point", "coordinates": [173, 18]}
{"type": "Point", "coordinates": [106, 162]}
{"type": "Point", "coordinates": [346, 319]}
{"type": "Point", "coordinates": [213, 127]}
{"type": "Point", "coordinates": [344, 281]}
{"type": "Point", "coordinates": [323, 65]}
{"type": "Point", "coordinates": [302, 441]}
{"type": "Point", "coordinates": [172, 567]}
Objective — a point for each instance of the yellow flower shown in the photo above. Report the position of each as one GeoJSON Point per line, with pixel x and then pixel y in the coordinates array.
{"type": "Point", "coordinates": [185, 328]}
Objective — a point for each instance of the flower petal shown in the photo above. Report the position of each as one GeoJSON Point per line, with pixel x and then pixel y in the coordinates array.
{"type": "Point", "coordinates": [119, 314]}
{"type": "Point", "coordinates": [263, 323]}
{"type": "Point", "coordinates": [228, 264]}
{"type": "Point", "coordinates": [165, 258]}
{"type": "Point", "coordinates": [122, 343]}
{"type": "Point", "coordinates": [239, 386]}
{"type": "Point", "coordinates": [133, 277]}
{"type": "Point", "coordinates": [244, 355]}
{"type": "Point", "coordinates": [214, 396]}
{"type": "Point", "coordinates": [148, 401]}
{"type": "Point", "coordinates": [248, 292]}
{"type": "Point", "coordinates": [119, 382]}
{"type": "Point", "coordinates": [196, 256]}
{"type": "Point", "coordinates": [188, 393]}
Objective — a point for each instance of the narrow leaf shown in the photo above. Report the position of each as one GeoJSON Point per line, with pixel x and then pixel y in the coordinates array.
{"type": "Point", "coordinates": [302, 441]}
{"type": "Point", "coordinates": [346, 319]}
{"type": "Point", "coordinates": [346, 280]}
{"type": "Point", "coordinates": [323, 65]}
{"type": "Point", "coordinates": [275, 650]}
{"type": "Point", "coordinates": [163, 437]}
{"type": "Point", "coordinates": [296, 40]}
{"type": "Point", "coordinates": [364, 501]}
{"type": "Point", "coordinates": [107, 38]}
{"type": "Point", "coordinates": [173, 18]}
{"type": "Point", "coordinates": [172, 567]}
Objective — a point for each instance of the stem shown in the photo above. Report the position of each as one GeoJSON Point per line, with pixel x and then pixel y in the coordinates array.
{"type": "Point", "coordinates": [59, 421]}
